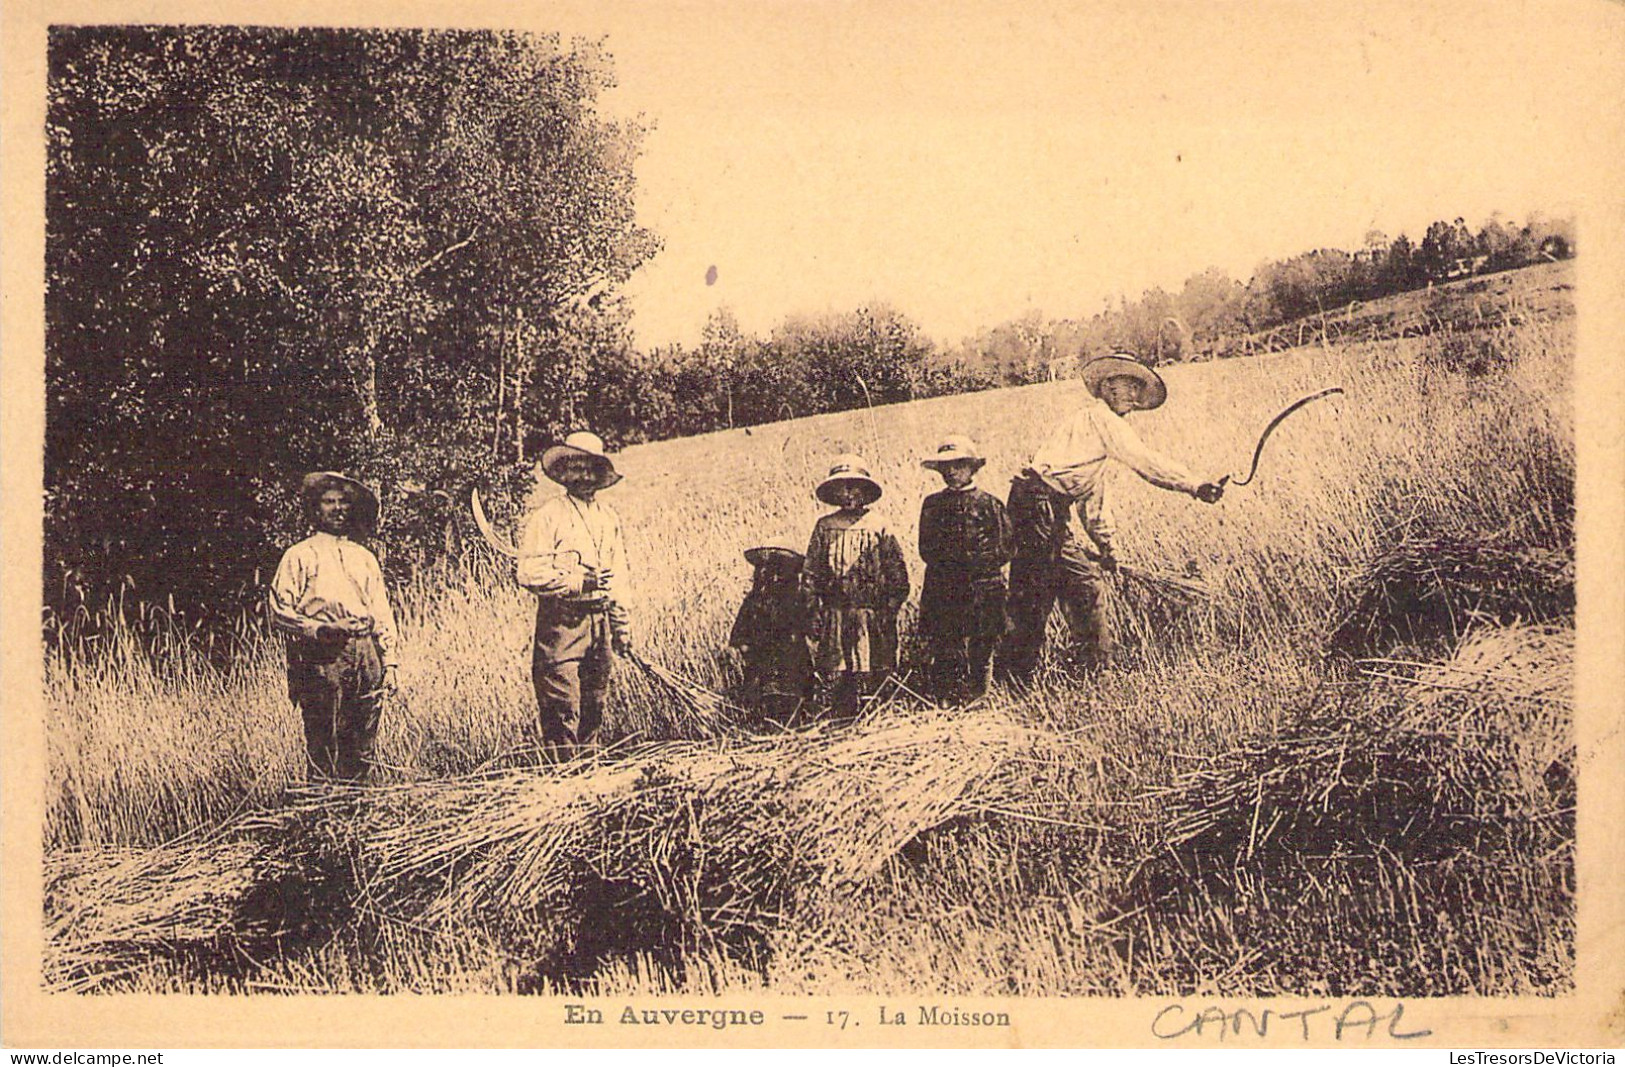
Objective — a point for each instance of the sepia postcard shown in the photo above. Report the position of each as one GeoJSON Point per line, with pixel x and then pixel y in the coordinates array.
{"type": "Point", "coordinates": [750, 523]}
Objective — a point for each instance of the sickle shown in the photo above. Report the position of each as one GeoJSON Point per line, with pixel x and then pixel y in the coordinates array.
{"type": "Point", "coordinates": [1289, 409]}
{"type": "Point", "coordinates": [502, 544]}
{"type": "Point", "coordinates": [492, 538]}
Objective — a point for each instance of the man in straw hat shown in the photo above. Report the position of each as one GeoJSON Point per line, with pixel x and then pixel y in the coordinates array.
{"type": "Point", "coordinates": [328, 599]}
{"type": "Point", "coordinates": [572, 557]}
{"type": "Point", "coordinates": [857, 580]}
{"type": "Point", "coordinates": [1069, 470]}
{"type": "Point", "coordinates": [965, 540]}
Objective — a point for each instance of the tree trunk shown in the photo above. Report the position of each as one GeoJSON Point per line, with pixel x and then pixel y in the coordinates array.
{"type": "Point", "coordinates": [375, 422]}
{"type": "Point", "coordinates": [521, 375]}
{"type": "Point", "coordinates": [367, 385]}
{"type": "Point", "coordinates": [502, 383]}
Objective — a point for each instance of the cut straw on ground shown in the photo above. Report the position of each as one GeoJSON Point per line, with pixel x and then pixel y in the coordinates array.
{"type": "Point", "coordinates": [687, 841]}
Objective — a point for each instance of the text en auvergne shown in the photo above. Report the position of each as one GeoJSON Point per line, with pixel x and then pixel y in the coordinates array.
{"type": "Point", "coordinates": [715, 1018]}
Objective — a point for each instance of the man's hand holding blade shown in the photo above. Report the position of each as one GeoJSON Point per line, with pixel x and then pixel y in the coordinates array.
{"type": "Point", "coordinates": [595, 583]}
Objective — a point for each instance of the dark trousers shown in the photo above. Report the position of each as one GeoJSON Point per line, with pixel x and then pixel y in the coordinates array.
{"type": "Point", "coordinates": [336, 686]}
{"type": "Point", "coordinates": [1050, 565]}
{"type": "Point", "coordinates": [841, 696]}
{"type": "Point", "coordinates": [570, 668]}
{"type": "Point", "coordinates": [961, 620]}
{"type": "Point", "coordinates": [778, 680]}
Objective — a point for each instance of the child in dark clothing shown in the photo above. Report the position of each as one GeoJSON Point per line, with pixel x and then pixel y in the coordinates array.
{"type": "Point", "coordinates": [965, 541]}
{"type": "Point", "coordinates": [771, 635]}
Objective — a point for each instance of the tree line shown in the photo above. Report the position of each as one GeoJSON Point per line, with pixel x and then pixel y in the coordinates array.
{"type": "Point", "coordinates": [876, 355]}
{"type": "Point", "coordinates": [1213, 316]}
{"type": "Point", "coordinates": [813, 365]}
{"type": "Point", "coordinates": [401, 254]}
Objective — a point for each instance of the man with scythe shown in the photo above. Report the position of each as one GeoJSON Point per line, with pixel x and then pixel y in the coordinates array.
{"type": "Point", "coordinates": [1068, 470]}
{"type": "Point", "coordinates": [572, 557]}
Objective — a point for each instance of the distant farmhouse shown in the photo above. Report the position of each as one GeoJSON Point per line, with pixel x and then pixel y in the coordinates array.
{"type": "Point", "coordinates": [1466, 267]}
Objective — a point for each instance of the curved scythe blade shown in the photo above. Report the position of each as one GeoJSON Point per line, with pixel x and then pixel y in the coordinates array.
{"type": "Point", "coordinates": [1265, 436]}
{"type": "Point", "coordinates": [492, 537]}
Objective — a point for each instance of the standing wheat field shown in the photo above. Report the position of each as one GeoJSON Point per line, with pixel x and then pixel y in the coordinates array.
{"type": "Point", "coordinates": [1341, 763]}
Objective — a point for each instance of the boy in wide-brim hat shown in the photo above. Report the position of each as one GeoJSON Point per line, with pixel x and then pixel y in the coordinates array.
{"type": "Point", "coordinates": [770, 633]}
{"type": "Point", "coordinates": [328, 599]}
{"type": "Point", "coordinates": [857, 580]}
{"type": "Point", "coordinates": [965, 541]}
{"type": "Point", "coordinates": [573, 557]}
{"type": "Point", "coordinates": [1068, 471]}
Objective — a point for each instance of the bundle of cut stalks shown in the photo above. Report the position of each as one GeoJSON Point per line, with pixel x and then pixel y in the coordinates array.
{"type": "Point", "coordinates": [1150, 607]}
{"type": "Point", "coordinates": [1430, 590]}
{"type": "Point", "coordinates": [673, 843]}
{"type": "Point", "coordinates": [1507, 696]}
{"type": "Point", "coordinates": [1471, 758]}
{"type": "Point", "coordinates": [1184, 592]}
{"type": "Point", "coordinates": [108, 913]}
{"type": "Point", "coordinates": [717, 837]}
{"type": "Point", "coordinates": [695, 710]}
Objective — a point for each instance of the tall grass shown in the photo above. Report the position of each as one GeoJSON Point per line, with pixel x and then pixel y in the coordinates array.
{"type": "Point", "coordinates": [142, 749]}
{"type": "Point", "coordinates": [1425, 441]}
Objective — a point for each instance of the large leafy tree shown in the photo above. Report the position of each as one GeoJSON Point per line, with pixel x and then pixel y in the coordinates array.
{"type": "Point", "coordinates": [270, 250]}
{"type": "Point", "coordinates": [1210, 304]}
{"type": "Point", "coordinates": [1444, 243]}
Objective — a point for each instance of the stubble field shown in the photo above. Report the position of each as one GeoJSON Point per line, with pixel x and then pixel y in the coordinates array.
{"type": "Point", "coordinates": [1347, 768]}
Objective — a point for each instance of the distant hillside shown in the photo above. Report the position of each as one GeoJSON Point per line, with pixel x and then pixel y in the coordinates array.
{"type": "Point", "coordinates": [1508, 297]}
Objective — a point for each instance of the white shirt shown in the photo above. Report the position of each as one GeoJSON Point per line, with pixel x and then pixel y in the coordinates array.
{"type": "Point", "coordinates": [328, 579]}
{"type": "Point", "coordinates": [1073, 462]}
{"type": "Point", "coordinates": [561, 539]}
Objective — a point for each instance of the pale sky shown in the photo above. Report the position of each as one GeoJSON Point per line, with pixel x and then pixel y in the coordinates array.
{"type": "Point", "coordinates": [970, 162]}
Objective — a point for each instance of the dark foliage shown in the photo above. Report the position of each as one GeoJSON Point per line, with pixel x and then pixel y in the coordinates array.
{"type": "Point", "coordinates": [270, 251]}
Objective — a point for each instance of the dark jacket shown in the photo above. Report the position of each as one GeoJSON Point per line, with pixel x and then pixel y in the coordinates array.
{"type": "Point", "coordinates": [965, 531]}
{"type": "Point", "coordinates": [771, 631]}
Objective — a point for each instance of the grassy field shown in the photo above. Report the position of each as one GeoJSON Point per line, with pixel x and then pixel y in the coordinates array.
{"type": "Point", "coordinates": [1123, 841]}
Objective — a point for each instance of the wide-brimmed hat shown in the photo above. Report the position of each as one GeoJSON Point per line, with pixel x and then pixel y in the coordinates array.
{"type": "Point", "coordinates": [848, 470]}
{"type": "Point", "coordinates": [363, 501]}
{"type": "Point", "coordinates": [583, 443]}
{"type": "Point", "coordinates": [953, 449]}
{"type": "Point", "coordinates": [773, 549]}
{"type": "Point", "coordinates": [1122, 365]}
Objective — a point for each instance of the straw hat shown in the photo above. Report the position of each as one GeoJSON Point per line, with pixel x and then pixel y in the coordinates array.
{"type": "Point", "coordinates": [954, 448]}
{"type": "Point", "coordinates": [1123, 365]}
{"type": "Point", "coordinates": [582, 443]}
{"type": "Point", "coordinates": [848, 470]}
{"type": "Point", "coordinates": [774, 548]}
{"type": "Point", "coordinates": [363, 501]}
